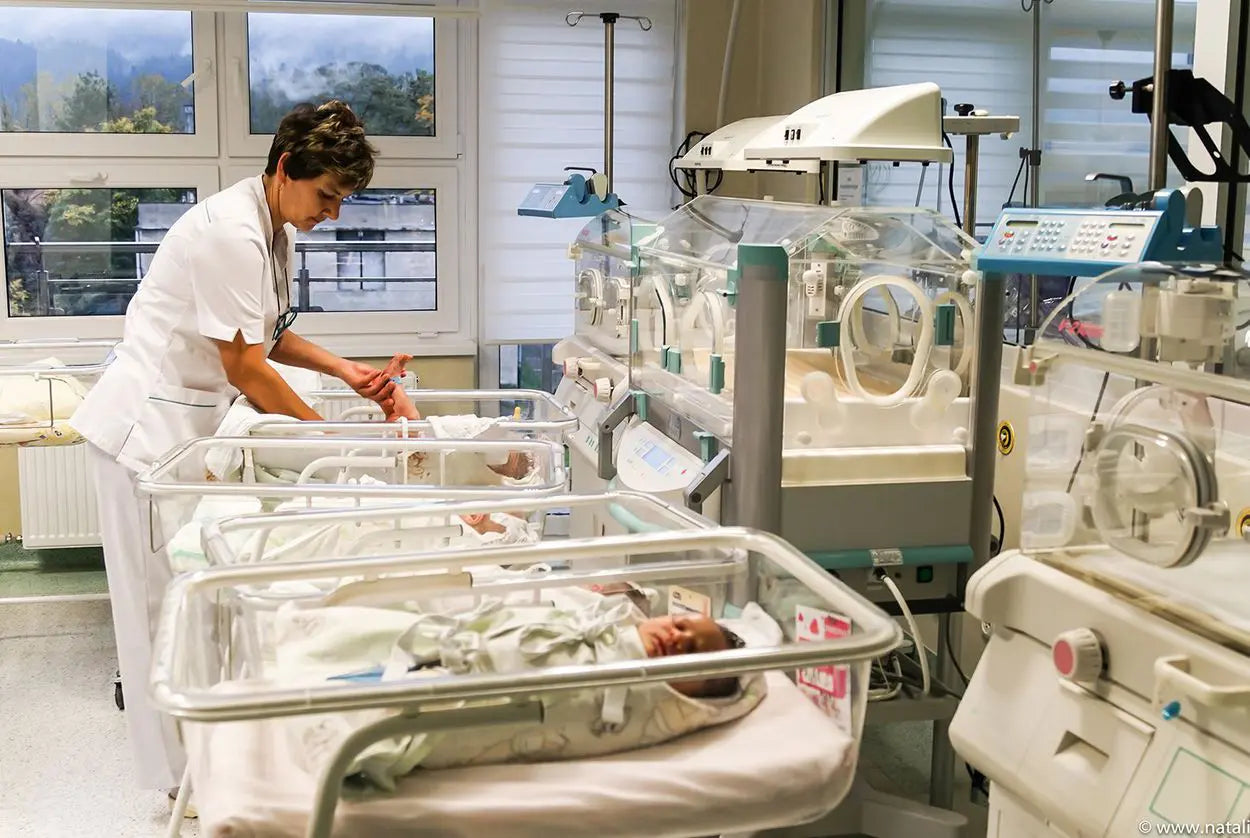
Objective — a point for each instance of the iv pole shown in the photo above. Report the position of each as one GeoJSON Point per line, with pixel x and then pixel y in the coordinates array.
{"type": "Point", "coordinates": [609, 74]}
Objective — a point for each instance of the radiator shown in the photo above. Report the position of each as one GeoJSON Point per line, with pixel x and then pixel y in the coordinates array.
{"type": "Point", "coordinates": [57, 497]}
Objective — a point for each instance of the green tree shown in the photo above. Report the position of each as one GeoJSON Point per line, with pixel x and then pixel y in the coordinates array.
{"type": "Point", "coordinates": [166, 99]}
{"type": "Point", "coordinates": [92, 102]}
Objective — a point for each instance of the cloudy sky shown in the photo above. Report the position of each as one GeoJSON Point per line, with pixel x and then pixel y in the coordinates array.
{"type": "Point", "coordinates": [399, 44]}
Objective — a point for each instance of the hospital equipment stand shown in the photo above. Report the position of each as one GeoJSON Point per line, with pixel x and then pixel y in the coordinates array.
{"type": "Point", "coordinates": [753, 494]}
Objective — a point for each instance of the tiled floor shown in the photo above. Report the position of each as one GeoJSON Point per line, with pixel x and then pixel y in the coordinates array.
{"type": "Point", "coordinates": [65, 767]}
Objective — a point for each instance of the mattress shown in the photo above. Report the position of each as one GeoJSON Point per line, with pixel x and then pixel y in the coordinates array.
{"type": "Point", "coordinates": [41, 434]}
{"type": "Point", "coordinates": [786, 763]}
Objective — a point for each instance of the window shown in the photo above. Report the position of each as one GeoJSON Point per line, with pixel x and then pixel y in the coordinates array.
{"type": "Point", "coordinates": [384, 239]}
{"type": "Point", "coordinates": [82, 252]}
{"type": "Point", "coordinates": [541, 88]}
{"type": "Point", "coordinates": [112, 73]}
{"type": "Point", "coordinates": [385, 259]}
{"type": "Point", "coordinates": [397, 73]}
{"type": "Point", "coordinates": [1085, 47]}
{"type": "Point", "coordinates": [109, 130]}
{"type": "Point", "coordinates": [528, 366]}
{"type": "Point", "coordinates": [977, 51]}
{"type": "Point", "coordinates": [76, 244]}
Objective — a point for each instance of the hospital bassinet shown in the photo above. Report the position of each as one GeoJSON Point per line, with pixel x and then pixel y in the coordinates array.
{"type": "Point", "coordinates": [285, 472]}
{"type": "Point", "coordinates": [784, 763]}
{"type": "Point", "coordinates": [392, 527]}
{"type": "Point", "coordinates": [41, 385]}
{"type": "Point", "coordinates": [517, 414]}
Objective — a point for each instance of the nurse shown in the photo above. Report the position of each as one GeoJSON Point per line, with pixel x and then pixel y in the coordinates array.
{"type": "Point", "coordinates": [213, 307]}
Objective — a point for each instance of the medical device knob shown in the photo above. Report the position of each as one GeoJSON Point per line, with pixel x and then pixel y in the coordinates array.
{"type": "Point", "coordinates": [603, 389]}
{"type": "Point", "coordinates": [1077, 655]}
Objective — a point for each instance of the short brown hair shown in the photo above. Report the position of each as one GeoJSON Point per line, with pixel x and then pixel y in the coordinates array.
{"type": "Point", "coordinates": [323, 139]}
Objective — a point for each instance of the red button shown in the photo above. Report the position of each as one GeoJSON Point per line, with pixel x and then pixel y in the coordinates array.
{"type": "Point", "coordinates": [1008, 235]}
{"type": "Point", "coordinates": [1063, 656]}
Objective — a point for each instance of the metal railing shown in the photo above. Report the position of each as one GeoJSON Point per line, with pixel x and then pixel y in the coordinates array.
{"type": "Point", "coordinates": [48, 286]}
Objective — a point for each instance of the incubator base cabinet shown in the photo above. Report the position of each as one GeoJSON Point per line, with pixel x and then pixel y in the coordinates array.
{"type": "Point", "coordinates": [1139, 743]}
{"type": "Point", "coordinates": [1112, 697]}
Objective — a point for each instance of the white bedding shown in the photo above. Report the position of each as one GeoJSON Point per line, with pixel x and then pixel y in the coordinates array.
{"type": "Point", "coordinates": [785, 763]}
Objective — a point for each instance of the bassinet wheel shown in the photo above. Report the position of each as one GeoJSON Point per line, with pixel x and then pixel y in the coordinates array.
{"type": "Point", "coordinates": [118, 699]}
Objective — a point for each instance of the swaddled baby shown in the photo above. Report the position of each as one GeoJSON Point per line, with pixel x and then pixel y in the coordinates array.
{"type": "Point", "coordinates": [497, 637]}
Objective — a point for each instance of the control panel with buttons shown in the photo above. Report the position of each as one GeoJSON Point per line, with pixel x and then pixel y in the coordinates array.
{"type": "Point", "coordinates": [1110, 237]}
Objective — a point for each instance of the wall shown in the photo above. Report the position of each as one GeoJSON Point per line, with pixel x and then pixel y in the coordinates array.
{"type": "Point", "coordinates": [776, 68]}
{"type": "Point", "coordinates": [435, 372]}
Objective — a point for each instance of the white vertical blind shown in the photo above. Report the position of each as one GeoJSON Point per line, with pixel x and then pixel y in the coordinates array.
{"type": "Point", "coordinates": [541, 109]}
{"type": "Point", "coordinates": [1085, 47]}
{"type": "Point", "coordinates": [977, 51]}
{"type": "Point", "coordinates": [980, 51]}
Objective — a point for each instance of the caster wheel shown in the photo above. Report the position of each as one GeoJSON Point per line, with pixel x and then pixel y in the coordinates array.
{"type": "Point", "coordinates": [118, 698]}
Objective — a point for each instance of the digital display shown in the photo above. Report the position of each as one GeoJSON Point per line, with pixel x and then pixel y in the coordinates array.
{"type": "Point", "coordinates": [1132, 224]}
{"type": "Point", "coordinates": [1022, 222]}
{"type": "Point", "coordinates": [656, 458]}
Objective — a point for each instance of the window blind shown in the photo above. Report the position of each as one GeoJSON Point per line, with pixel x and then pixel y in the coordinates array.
{"type": "Point", "coordinates": [541, 109]}
{"type": "Point", "coordinates": [977, 51]}
{"type": "Point", "coordinates": [1085, 47]}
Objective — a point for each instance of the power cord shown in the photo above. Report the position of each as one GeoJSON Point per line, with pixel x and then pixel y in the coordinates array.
{"type": "Point", "coordinates": [1102, 390]}
{"type": "Point", "coordinates": [950, 180]}
{"type": "Point", "coordinates": [921, 654]}
{"type": "Point", "coordinates": [996, 546]}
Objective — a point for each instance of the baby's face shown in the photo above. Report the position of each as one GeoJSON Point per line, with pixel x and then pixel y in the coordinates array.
{"type": "Point", "coordinates": [685, 635]}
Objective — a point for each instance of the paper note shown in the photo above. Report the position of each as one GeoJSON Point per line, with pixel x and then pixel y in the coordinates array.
{"type": "Point", "coordinates": [686, 601]}
{"type": "Point", "coordinates": [829, 687]}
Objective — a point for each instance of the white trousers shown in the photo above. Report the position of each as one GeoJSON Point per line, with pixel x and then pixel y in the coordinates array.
{"type": "Point", "coordinates": [137, 579]}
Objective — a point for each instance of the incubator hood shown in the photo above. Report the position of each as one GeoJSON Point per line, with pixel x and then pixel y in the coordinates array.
{"type": "Point", "coordinates": [725, 149]}
{"type": "Point", "coordinates": [1138, 471]}
{"type": "Point", "coordinates": [879, 330]}
{"type": "Point", "coordinates": [899, 123]}
{"type": "Point", "coordinates": [605, 267]}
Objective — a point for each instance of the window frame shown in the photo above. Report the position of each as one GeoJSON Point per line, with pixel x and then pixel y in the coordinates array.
{"type": "Point", "coordinates": [335, 328]}
{"type": "Point", "coordinates": [444, 145]}
{"type": "Point", "coordinates": [203, 143]}
{"type": "Point", "coordinates": [203, 177]}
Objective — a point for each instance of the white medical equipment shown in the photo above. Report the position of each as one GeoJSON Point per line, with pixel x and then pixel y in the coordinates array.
{"type": "Point", "coordinates": [901, 122]}
{"type": "Point", "coordinates": [516, 414]}
{"type": "Point", "coordinates": [41, 385]}
{"type": "Point", "coordinates": [1111, 698]}
{"type": "Point", "coordinates": [879, 338]}
{"type": "Point", "coordinates": [605, 268]}
{"type": "Point", "coordinates": [782, 764]}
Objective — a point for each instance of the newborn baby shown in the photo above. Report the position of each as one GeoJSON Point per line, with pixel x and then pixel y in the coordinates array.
{"type": "Point", "coordinates": [399, 406]}
{"type": "Point", "coordinates": [496, 637]}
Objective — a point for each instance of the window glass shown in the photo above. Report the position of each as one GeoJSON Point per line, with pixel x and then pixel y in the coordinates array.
{"type": "Point", "coordinates": [106, 71]}
{"type": "Point", "coordinates": [1086, 47]}
{"type": "Point", "coordinates": [378, 256]}
{"type": "Point", "coordinates": [382, 67]}
{"type": "Point", "coordinates": [82, 251]}
{"type": "Point", "coordinates": [528, 366]}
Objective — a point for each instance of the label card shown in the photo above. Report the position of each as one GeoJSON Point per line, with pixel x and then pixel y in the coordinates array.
{"type": "Point", "coordinates": [828, 687]}
{"type": "Point", "coordinates": [685, 601]}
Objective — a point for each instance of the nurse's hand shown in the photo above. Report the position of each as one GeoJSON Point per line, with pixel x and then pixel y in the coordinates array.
{"type": "Point", "coordinates": [367, 381]}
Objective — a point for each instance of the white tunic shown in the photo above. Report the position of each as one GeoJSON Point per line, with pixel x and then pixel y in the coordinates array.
{"type": "Point", "coordinates": [214, 276]}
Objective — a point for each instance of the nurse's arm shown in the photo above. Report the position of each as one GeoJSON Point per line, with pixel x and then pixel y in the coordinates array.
{"type": "Point", "coordinates": [295, 351]}
{"type": "Point", "coordinates": [248, 370]}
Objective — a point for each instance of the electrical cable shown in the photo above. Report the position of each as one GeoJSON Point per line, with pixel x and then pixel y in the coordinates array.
{"type": "Point", "coordinates": [1011, 196]}
{"type": "Point", "coordinates": [950, 180]}
{"type": "Point", "coordinates": [950, 650]}
{"type": "Point", "coordinates": [922, 654]}
{"type": "Point", "coordinates": [1093, 415]}
{"type": "Point", "coordinates": [1002, 527]}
